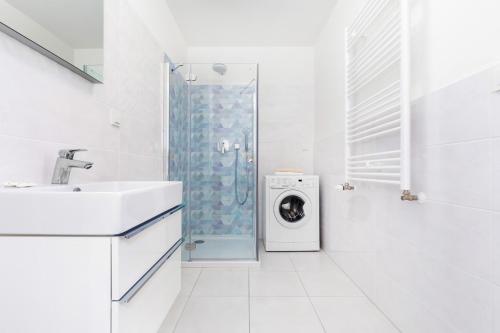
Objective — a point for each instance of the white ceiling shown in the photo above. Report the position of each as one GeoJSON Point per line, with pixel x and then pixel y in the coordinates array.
{"type": "Point", "coordinates": [78, 23]}
{"type": "Point", "coordinates": [251, 22]}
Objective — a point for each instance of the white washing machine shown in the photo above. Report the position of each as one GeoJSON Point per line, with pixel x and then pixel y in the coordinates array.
{"type": "Point", "coordinates": [291, 213]}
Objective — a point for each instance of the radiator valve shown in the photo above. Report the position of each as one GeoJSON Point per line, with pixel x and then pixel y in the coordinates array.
{"type": "Point", "coordinates": [407, 196]}
{"type": "Point", "coordinates": [345, 187]}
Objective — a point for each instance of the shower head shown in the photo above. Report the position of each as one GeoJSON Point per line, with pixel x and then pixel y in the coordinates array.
{"type": "Point", "coordinates": [219, 68]}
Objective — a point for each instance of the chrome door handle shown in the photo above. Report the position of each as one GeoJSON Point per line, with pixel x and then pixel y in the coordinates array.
{"type": "Point", "coordinates": [132, 292]}
{"type": "Point", "coordinates": [141, 227]}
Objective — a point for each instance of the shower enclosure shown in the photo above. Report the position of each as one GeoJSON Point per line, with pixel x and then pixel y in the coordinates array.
{"type": "Point", "coordinates": [210, 139]}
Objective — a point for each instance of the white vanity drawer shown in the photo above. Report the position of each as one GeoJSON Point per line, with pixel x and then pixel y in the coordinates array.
{"type": "Point", "coordinates": [134, 253]}
{"type": "Point", "coordinates": [147, 309]}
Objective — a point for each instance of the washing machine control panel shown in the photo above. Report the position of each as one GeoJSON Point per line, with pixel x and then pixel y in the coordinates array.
{"type": "Point", "coordinates": [291, 182]}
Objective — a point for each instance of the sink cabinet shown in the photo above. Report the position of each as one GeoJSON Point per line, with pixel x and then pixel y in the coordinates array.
{"type": "Point", "coordinates": [91, 284]}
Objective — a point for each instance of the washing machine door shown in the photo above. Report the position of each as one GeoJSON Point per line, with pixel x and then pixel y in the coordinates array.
{"type": "Point", "coordinates": [292, 209]}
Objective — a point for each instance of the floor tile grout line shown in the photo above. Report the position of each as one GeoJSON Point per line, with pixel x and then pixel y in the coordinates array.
{"type": "Point", "coordinates": [249, 311]}
{"type": "Point", "coordinates": [187, 301]}
{"type": "Point", "coordinates": [281, 296]}
{"type": "Point", "coordinates": [215, 296]}
{"type": "Point", "coordinates": [309, 298]}
{"type": "Point", "coordinates": [190, 296]}
{"type": "Point", "coordinates": [363, 292]}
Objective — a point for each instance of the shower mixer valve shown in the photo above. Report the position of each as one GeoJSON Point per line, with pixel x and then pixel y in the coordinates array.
{"type": "Point", "coordinates": [223, 146]}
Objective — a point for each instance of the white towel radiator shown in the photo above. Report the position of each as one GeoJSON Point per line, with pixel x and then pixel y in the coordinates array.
{"type": "Point", "coordinates": [377, 124]}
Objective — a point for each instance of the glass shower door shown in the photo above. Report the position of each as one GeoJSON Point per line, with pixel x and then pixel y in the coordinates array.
{"type": "Point", "coordinates": [176, 138]}
{"type": "Point", "coordinates": [221, 168]}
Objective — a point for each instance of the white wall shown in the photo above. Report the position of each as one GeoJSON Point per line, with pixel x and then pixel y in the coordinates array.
{"type": "Point", "coordinates": [452, 40]}
{"type": "Point", "coordinates": [45, 107]}
{"type": "Point", "coordinates": [430, 267]}
{"type": "Point", "coordinates": [286, 102]}
{"type": "Point", "coordinates": [161, 24]}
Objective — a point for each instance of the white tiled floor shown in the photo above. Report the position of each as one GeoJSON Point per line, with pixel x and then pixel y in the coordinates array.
{"type": "Point", "coordinates": [216, 282]}
{"type": "Point", "coordinates": [290, 292]}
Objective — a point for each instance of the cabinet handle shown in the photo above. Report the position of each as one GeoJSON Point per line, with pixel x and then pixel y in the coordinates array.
{"type": "Point", "coordinates": [143, 226]}
{"type": "Point", "coordinates": [130, 294]}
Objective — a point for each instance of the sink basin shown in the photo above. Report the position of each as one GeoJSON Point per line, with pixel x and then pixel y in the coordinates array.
{"type": "Point", "coordinates": [95, 209]}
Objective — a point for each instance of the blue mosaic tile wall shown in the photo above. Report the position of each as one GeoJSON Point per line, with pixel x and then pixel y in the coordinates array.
{"type": "Point", "coordinates": [220, 111]}
{"type": "Point", "coordinates": [216, 112]}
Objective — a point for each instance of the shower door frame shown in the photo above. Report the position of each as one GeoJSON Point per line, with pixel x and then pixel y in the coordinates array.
{"type": "Point", "coordinates": [166, 151]}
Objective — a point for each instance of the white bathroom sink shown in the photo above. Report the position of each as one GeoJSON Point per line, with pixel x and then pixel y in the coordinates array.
{"type": "Point", "coordinates": [107, 208]}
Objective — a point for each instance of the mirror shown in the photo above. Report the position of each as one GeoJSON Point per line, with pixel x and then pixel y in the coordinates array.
{"type": "Point", "coordinates": [69, 32]}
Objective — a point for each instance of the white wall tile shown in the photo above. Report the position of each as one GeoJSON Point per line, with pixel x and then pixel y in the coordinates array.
{"type": "Point", "coordinates": [279, 131]}
{"type": "Point", "coordinates": [141, 135]}
{"type": "Point", "coordinates": [461, 112]}
{"type": "Point", "coordinates": [26, 160]}
{"type": "Point", "coordinates": [435, 265]}
{"type": "Point", "coordinates": [401, 220]}
{"type": "Point", "coordinates": [459, 236]}
{"type": "Point", "coordinates": [33, 161]}
{"type": "Point", "coordinates": [496, 173]}
{"type": "Point", "coordinates": [49, 108]}
{"type": "Point", "coordinates": [140, 168]}
{"type": "Point", "coordinates": [407, 313]}
{"type": "Point", "coordinates": [496, 248]}
{"type": "Point", "coordinates": [495, 103]}
{"type": "Point", "coordinates": [496, 312]}
{"type": "Point", "coordinates": [454, 296]}
{"type": "Point", "coordinates": [329, 152]}
{"type": "Point", "coordinates": [460, 174]}
{"type": "Point", "coordinates": [352, 216]}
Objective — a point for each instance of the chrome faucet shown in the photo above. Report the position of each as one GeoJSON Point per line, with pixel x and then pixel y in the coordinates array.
{"type": "Point", "coordinates": [65, 163]}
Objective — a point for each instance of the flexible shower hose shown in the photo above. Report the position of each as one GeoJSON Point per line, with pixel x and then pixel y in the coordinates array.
{"type": "Point", "coordinates": [236, 192]}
